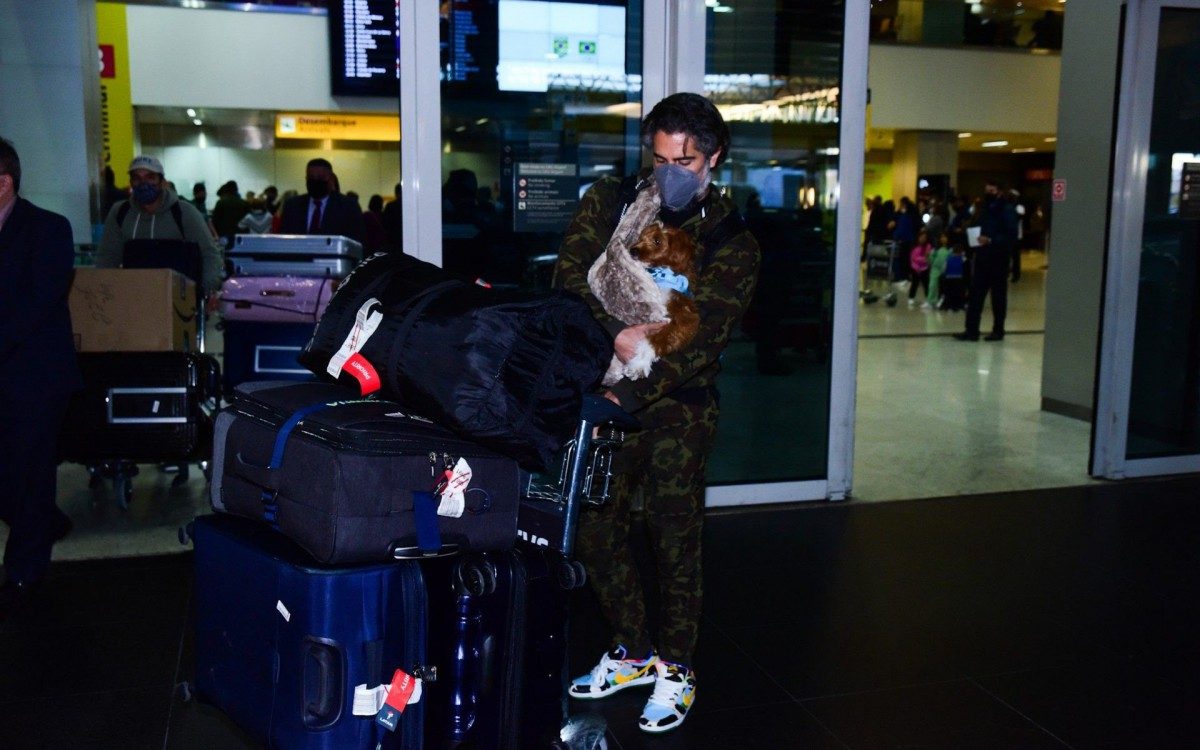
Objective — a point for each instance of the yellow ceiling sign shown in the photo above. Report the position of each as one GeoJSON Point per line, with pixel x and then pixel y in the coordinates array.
{"type": "Point", "coordinates": [338, 126]}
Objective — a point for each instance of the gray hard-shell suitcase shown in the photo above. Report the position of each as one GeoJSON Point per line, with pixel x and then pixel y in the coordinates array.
{"type": "Point", "coordinates": [318, 255]}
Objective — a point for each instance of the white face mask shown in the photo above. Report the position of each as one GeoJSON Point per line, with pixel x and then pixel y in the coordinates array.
{"type": "Point", "coordinates": [678, 186]}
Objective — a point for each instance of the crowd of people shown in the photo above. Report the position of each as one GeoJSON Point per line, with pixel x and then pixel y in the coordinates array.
{"type": "Point", "coordinates": [377, 227]}
{"type": "Point", "coordinates": [956, 252]}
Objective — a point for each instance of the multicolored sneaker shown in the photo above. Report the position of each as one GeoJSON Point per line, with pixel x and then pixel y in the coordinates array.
{"type": "Point", "coordinates": [615, 672]}
{"type": "Point", "coordinates": [674, 693]}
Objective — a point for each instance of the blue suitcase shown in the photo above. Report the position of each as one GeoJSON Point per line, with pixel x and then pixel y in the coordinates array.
{"type": "Point", "coordinates": [282, 642]}
{"type": "Point", "coordinates": [264, 351]}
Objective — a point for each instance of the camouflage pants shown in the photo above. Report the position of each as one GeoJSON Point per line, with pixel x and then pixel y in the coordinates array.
{"type": "Point", "coordinates": [666, 460]}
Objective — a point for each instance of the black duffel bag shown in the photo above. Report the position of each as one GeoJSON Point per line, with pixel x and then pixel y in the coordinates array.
{"type": "Point", "coordinates": [505, 368]}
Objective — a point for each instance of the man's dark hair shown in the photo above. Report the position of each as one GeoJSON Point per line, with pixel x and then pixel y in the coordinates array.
{"type": "Point", "coordinates": [397, 191]}
{"type": "Point", "coordinates": [10, 163]}
{"type": "Point", "coordinates": [691, 114]}
{"type": "Point", "coordinates": [319, 162]}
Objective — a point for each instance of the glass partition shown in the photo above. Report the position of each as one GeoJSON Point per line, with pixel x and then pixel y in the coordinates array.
{"type": "Point", "coordinates": [774, 70]}
{"type": "Point", "coordinates": [1164, 400]}
{"type": "Point", "coordinates": [1030, 24]}
{"type": "Point", "coordinates": [540, 98]}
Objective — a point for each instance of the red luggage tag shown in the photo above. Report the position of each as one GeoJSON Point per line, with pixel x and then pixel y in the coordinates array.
{"type": "Point", "coordinates": [401, 689]}
{"type": "Point", "coordinates": [362, 371]}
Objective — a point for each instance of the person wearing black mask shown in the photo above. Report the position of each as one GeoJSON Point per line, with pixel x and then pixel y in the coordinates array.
{"type": "Point", "coordinates": [322, 210]}
{"type": "Point", "coordinates": [677, 404]}
{"type": "Point", "coordinates": [155, 212]}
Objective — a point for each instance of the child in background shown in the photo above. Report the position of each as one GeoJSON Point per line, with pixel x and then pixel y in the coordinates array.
{"type": "Point", "coordinates": [937, 267]}
{"type": "Point", "coordinates": [918, 262]}
{"type": "Point", "coordinates": [953, 284]}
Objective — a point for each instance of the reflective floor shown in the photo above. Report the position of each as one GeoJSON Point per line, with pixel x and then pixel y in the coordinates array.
{"type": "Point", "coordinates": [1062, 618]}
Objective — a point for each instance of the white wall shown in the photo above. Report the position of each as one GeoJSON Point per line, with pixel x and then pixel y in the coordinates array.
{"type": "Point", "coordinates": [50, 103]}
{"type": "Point", "coordinates": [929, 88]}
{"type": "Point", "coordinates": [235, 60]}
{"type": "Point", "coordinates": [1091, 43]}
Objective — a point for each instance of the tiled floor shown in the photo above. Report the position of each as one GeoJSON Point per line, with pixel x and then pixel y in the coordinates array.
{"type": "Point", "coordinates": [1061, 618]}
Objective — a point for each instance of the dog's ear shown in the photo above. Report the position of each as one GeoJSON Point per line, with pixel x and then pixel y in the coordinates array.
{"type": "Point", "coordinates": [679, 252]}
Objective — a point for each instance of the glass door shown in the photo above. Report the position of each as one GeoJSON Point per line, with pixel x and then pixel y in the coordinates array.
{"type": "Point", "coordinates": [1148, 398]}
{"type": "Point", "coordinates": [527, 102]}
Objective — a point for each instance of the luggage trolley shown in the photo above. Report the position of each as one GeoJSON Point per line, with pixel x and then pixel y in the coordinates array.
{"type": "Point", "coordinates": [883, 264]}
{"type": "Point", "coordinates": [163, 414]}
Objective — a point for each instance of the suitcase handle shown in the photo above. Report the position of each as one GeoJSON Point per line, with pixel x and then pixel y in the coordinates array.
{"type": "Point", "coordinates": [323, 683]}
{"type": "Point", "coordinates": [278, 293]}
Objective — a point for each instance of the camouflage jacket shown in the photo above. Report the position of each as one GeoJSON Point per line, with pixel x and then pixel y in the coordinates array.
{"type": "Point", "coordinates": [724, 289]}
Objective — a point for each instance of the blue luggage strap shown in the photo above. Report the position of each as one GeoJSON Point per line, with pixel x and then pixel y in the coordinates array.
{"type": "Point", "coordinates": [425, 504]}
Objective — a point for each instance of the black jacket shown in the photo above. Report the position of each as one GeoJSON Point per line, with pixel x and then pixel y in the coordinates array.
{"type": "Point", "coordinates": [340, 215]}
{"type": "Point", "coordinates": [37, 259]}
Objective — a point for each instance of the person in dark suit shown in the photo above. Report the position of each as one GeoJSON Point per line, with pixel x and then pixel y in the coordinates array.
{"type": "Point", "coordinates": [322, 210]}
{"type": "Point", "coordinates": [38, 372]}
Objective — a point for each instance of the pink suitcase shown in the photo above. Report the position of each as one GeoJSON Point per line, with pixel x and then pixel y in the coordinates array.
{"type": "Point", "coordinates": [275, 299]}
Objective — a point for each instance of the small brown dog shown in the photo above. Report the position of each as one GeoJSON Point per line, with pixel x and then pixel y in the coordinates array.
{"type": "Point", "coordinates": [668, 256]}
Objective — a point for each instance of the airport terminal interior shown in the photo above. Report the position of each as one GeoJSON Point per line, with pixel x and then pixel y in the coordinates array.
{"type": "Point", "coordinates": [979, 580]}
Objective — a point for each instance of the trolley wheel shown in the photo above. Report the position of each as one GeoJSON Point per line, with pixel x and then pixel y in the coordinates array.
{"type": "Point", "coordinates": [571, 575]}
{"type": "Point", "coordinates": [185, 533]}
{"type": "Point", "coordinates": [474, 577]}
{"type": "Point", "coordinates": [123, 487]}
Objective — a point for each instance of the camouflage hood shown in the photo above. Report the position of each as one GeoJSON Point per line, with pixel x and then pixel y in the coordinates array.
{"type": "Point", "coordinates": [619, 282]}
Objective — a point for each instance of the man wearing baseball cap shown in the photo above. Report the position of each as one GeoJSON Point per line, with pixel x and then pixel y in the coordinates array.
{"type": "Point", "coordinates": [154, 212]}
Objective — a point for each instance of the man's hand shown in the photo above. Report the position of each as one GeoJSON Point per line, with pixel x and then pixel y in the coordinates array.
{"type": "Point", "coordinates": [626, 343]}
{"type": "Point", "coordinates": [984, 240]}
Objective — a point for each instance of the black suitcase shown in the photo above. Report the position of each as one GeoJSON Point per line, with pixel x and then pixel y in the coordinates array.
{"type": "Point", "coordinates": [498, 638]}
{"type": "Point", "coordinates": [143, 407]}
{"type": "Point", "coordinates": [352, 479]}
{"type": "Point", "coordinates": [282, 642]}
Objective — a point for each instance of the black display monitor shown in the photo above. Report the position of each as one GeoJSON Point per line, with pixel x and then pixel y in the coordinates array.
{"type": "Point", "coordinates": [364, 40]}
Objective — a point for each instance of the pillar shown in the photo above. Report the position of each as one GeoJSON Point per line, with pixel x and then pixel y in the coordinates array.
{"type": "Point", "coordinates": [50, 105]}
{"type": "Point", "coordinates": [922, 152]}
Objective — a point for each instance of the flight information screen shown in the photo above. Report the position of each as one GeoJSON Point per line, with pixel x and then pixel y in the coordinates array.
{"type": "Point", "coordinates": [364, 37]}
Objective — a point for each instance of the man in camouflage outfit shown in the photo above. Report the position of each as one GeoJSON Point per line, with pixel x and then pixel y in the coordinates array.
{"type": "Point", "coordinates": [676, 403]}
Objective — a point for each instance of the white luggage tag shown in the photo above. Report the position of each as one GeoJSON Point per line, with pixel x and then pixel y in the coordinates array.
{"type": "Point", "coordinates": [365, 323]}
{"type": "Point", "coordinates": [453, 491]}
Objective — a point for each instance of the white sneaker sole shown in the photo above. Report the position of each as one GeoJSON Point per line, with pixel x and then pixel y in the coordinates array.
{"type": "Point", "coordinates": [645, 680]}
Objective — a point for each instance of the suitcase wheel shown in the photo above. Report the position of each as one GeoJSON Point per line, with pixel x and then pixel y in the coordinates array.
{"type": "Point", "coordinates": [571, 574]}
{"type": "Point", "coordinates": [474, 577]}
{"type": "Point", "coordinates": [185, 533]}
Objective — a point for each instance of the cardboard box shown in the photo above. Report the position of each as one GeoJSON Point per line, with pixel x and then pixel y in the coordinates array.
{"type": "Point", "coordinates": [133, 310]}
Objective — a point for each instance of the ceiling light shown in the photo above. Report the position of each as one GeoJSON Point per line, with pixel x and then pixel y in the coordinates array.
{"type": "Point", "coordinates": [965, 135]}
{"type": "Point", "coordinates": [1051, 139]}
{"type": "Point", "coordinates": [196, 121]}
{"type": "Point", "coordinates": [994, 144]}
{"type": "Point", "coordinates": [481, 121]}
{"type": "Point", "coordinates": [191, 112]}
{"type": "Point", "coordinates": [722, 9]}
{"type": "Point", "coordinates": [1023, 150]}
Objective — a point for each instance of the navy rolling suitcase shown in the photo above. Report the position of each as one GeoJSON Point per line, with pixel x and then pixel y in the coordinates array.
{"type": "Point", "coordinates": [498, 635]}
{"type": "Point", "coordinates": [498, 628]}
{"type": "Point", "coordinates": [282, 642]}
{"type": "Point", "coordinates": [256, 350]}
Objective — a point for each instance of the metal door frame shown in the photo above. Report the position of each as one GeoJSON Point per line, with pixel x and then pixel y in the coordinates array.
{"type": "Point", "coordinates": [1130, 164]}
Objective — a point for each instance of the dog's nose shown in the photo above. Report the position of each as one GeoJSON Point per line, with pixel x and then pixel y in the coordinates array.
{"type": "Point", "coordinates": [633, 253]}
